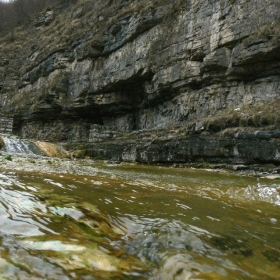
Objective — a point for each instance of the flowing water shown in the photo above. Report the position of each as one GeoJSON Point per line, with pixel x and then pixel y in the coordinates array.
{"type": "Point", "coordinates": [62, 219]}
{"type": "Point", "coordinates": [15, 145]}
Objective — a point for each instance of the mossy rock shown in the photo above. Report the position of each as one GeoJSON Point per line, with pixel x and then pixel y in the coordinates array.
{"type": "Point", "coordinates": [272, 255]}
{"type": "Point", "coordinates": [228, 243]}
{"type": "Point", "coordinates": [83, 245]}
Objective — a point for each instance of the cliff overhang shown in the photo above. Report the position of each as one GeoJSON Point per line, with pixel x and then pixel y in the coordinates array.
{"type": "Point", "coordinates": [193, 80]}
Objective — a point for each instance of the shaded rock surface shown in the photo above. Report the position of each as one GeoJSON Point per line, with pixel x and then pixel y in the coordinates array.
{"type": "Point", "coordinates": [179, 146]}
{"type": "Point", "coordinates": [146, 67]}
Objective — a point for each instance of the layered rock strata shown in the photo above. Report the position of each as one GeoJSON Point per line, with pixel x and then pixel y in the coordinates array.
{"type": "Point", "coordinates": [150, 68]}
{"type": "Point", "coordinates": [6, 123]}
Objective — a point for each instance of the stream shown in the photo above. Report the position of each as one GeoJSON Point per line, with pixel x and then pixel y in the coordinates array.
{"type": "Point", "coordinates": [80, 219]}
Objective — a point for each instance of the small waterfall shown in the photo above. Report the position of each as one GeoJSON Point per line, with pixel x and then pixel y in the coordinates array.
{"type": "Point", "coordinates": [15, 145]}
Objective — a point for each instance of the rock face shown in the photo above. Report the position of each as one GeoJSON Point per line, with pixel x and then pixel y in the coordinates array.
{"type": "Point", "coordinates": [6, 123]}
{"type": "Point", "coordinates": [138, 68]}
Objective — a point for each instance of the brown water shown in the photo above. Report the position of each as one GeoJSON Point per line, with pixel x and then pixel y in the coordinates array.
{"type": "Point", "coordinates": [100, 221]}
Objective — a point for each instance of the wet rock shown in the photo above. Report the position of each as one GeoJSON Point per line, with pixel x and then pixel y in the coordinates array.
{"type": "Point", "coordinates": [271, 176]}
{"type": "Point", "coordinates": [272, 255]}
{"type": "Point", "coordinates": [239, 167]}
{"type": "Point", "coordinates": [85, 222]}
{"type": "Point", "coordinates": [230, 243]}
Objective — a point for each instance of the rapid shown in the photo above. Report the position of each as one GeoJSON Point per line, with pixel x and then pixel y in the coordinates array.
{"type": "Point", "coordinates": [85, 219]}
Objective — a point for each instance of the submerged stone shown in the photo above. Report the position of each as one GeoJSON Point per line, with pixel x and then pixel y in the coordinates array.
{"type": "Point", "coordinates": [230, 243]}
{"type": "Point", "coordinates": [84, 232]}
{"type": "Point", "coordinates": [272, 254]}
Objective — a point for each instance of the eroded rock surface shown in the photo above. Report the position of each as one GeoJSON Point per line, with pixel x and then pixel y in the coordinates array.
{"type": "Point", "coordinates": [149, 65]}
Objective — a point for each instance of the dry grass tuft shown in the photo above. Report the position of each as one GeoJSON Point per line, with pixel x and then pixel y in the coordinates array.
{"type": "Point", "coordinates": [262, 115]}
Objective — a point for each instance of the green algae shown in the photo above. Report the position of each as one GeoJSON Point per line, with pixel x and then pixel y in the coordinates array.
{"type": "Point", "coordinates": [230, 243]}
{"type": "Point", "coordinates": [82, 244]}
{"type": "Point", "coordinates": [144, 222]}
{"type": "Point", "coordinates": [272, 255]}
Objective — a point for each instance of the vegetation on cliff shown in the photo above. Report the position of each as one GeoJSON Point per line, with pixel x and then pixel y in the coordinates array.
{"type": "Point", "coordinates": [18, 12]}
{"type": "Point", "coordinates": [61, 27]}
{"type": "Point", "coordinates": [130, 66]}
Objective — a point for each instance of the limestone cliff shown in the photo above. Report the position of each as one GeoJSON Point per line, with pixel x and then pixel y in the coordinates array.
{"type": "Point", "coordinates": [149, 81]}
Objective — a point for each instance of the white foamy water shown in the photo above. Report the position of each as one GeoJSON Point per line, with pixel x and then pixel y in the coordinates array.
{"type": "Point", "coordinates": [259, 192]}
{"type": "Point", "coordinates": [16, 145]}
